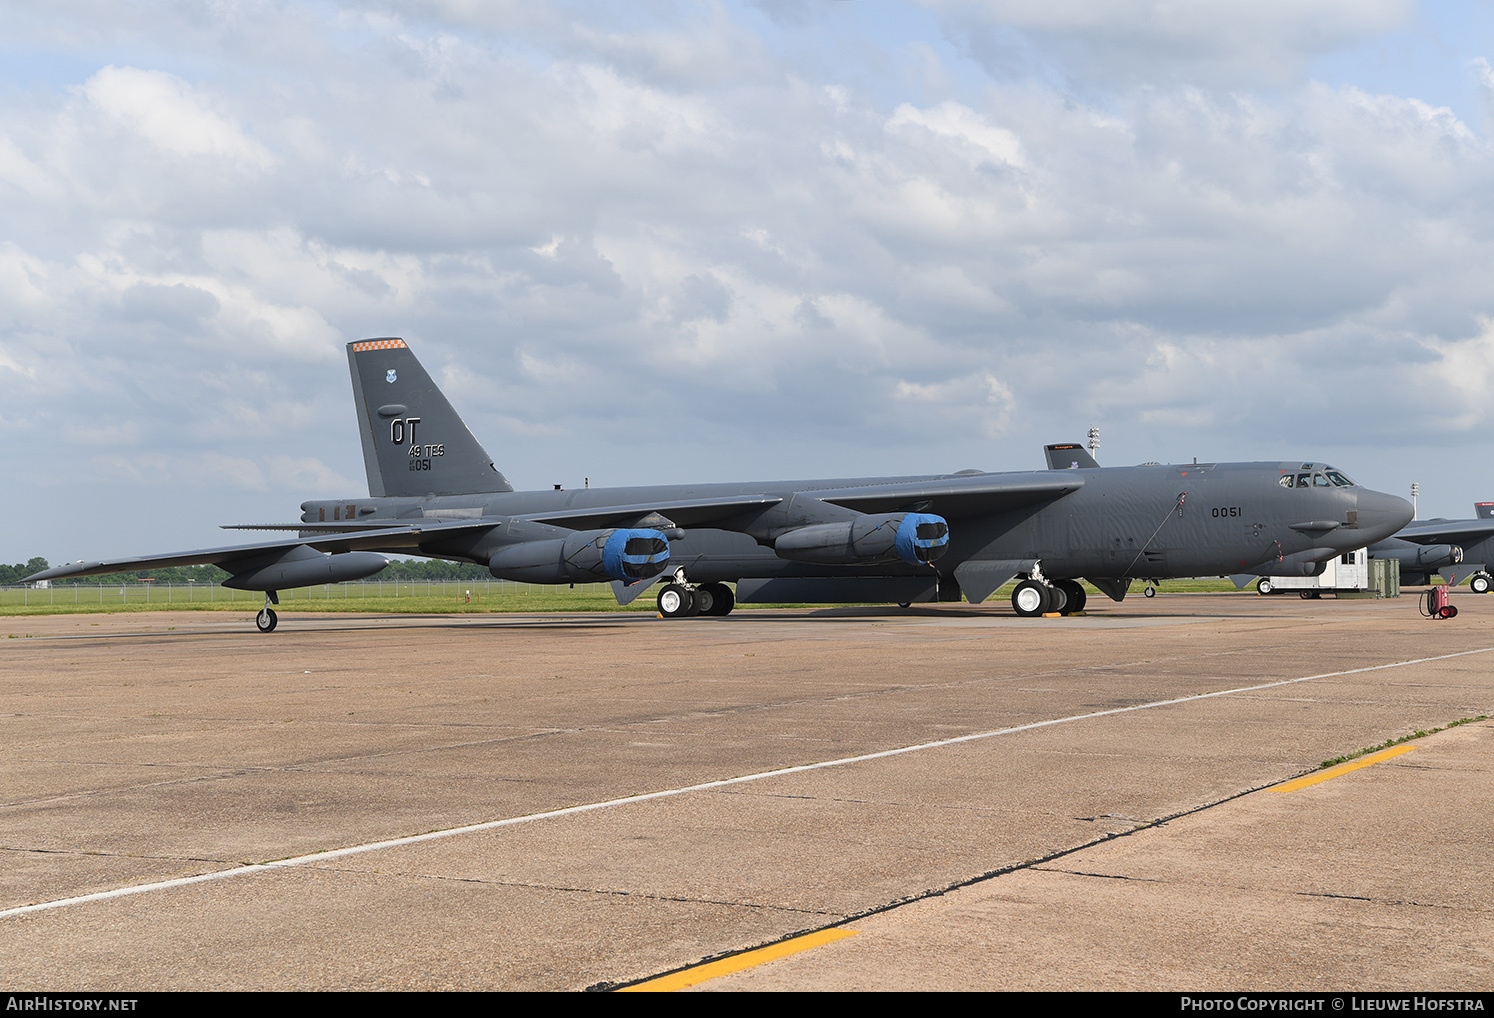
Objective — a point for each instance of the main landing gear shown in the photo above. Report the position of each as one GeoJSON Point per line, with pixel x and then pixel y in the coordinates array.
{"type": "Point", "coordinates": [1045, 597]}
{"type": "Point", "coordinates": [680, 599]}
{"type": "Point", "coordinates": [266, 620]}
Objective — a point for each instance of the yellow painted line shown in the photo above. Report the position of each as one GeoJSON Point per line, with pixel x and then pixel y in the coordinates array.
{"type": "Point", "coordinates": [1353, 765]}
{"type": "Point", "coordinates": [737, 962]}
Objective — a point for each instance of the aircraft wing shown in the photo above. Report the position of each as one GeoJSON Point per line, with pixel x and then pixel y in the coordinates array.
{"type": "Point", "coordinates": [958, 497]}
{"type": "Point", "coordinates": [950, 497]}
{"type": "Point", "coordinates": [1448, 531]}
{"type": "Point", "coordinates": [383, 539]}
{"type": "Point", "coordinates": [681, 512]}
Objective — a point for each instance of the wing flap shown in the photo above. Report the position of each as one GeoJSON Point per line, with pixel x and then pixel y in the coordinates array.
{"type": "Point", "coordinates": [682, 513]}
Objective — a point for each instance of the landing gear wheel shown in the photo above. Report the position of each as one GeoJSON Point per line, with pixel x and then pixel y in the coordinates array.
{"type": "Point", "coordinates": [905, 604]}
{"type": "Point", "coordinates": [677, 602]}
{"type": "Point", "coordinates": [1058, 600]}
{"type": "Point", "coordinates": [1075, 596]}
{"type": "Point", "coordinates": [1149, 592]}
{"type": "Point", "coordinates": [704, 600]}
{"type": "Point", "coordinates": [266, 620]}
{"type": "Point", "coordinates": [714, 599]}
{"type": "Point", "coordinates": [1030, 599]}
{"type": "Point", "coordinates": [1265, 586]}
{"type": "Point", "coordinates": [1480, 583]}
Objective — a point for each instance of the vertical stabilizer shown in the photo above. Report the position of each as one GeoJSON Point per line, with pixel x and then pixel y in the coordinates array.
{"type": "Point", "coordinates": [1069, 456]}
{"type": "Point", "coordinates": [414, 443]}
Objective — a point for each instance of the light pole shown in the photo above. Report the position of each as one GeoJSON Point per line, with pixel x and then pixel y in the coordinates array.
{"type": "Point", "coordinates": [1094, 444]}
{"type": "Point", "coordinates": [1415, 490]}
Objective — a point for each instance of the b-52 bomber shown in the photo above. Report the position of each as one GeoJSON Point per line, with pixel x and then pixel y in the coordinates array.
{"type": "Point", "coordinates": [1453, 549]}
{"type": "Point", "coordinates": [435, 492]}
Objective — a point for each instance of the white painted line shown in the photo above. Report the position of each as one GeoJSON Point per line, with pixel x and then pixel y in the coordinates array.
{"type": "Point", "coordinates": [306, 860]}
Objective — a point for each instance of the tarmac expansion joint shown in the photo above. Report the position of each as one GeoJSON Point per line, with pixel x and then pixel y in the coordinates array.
{"type": "Point", "coordinates": [604, 891]}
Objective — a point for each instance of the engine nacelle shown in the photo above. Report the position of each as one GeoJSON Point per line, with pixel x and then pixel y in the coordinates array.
{"type": "Point", "coordinates": [915, 538]}
{"type": "Point", "coordinates": [1424, 557]}
{"type": "Point", "coordinates": [301, 567]}
{"type": "Point", "coordinates": [587, 556]}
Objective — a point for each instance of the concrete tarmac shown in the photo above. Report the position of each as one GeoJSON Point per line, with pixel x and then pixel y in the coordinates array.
{"type": "Point", "coordinates": [1091, 832]}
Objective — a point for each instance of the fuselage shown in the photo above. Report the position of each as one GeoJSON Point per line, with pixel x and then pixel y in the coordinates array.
{"type": "Point", "coordinates": [1143, 522]}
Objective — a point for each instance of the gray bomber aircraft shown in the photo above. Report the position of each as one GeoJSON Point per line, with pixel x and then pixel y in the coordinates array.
{"type": "Point", "coordinates": [434, 491]}
{"type": "Point", "coordinates": [1453, 549]}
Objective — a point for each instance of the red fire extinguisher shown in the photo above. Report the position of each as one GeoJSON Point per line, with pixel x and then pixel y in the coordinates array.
{"type": "Point", "coordinates": [1435, 603]}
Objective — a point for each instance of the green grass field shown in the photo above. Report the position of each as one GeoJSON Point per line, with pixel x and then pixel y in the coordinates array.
{"type": "Point", "coordinates": [417, 596]}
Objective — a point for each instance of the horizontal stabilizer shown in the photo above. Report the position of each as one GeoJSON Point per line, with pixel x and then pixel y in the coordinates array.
{"type": "Point", "coordinates": [354, 527]}
{"type": "Point", "coordinates": [402, 538]}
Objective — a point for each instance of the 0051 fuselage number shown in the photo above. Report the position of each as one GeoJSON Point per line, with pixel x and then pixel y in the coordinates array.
{"type": "Point", "coordinates": [1228, 510]}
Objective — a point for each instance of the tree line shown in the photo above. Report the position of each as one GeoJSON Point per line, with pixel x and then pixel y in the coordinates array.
{"type": "Point", "coordinates": [398, 569]}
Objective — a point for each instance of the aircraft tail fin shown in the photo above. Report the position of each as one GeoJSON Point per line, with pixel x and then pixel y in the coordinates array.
{"type": "Point", "coordinates": [1484, 510]}
{"type": "Point", "coordinates": [414, 443]}
{"type": "Point", "coordinates": [1068, 456]}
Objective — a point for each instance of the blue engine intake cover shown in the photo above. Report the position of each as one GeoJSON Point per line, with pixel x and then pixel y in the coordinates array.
{"type": "Point", "coordinates": [633, 555]}
{"type": "Point", "coordinates": [921, 537]}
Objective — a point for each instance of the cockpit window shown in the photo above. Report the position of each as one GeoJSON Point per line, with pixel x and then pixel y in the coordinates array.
{"type": "Point", "coordinates": [1339, 479]}
{"type": "Point", "coordinates": [1319, 481]}
{"type": "Point", "coordinates": [1285, 480]}
{"type": "Point", "coordinates": [1302, 480]}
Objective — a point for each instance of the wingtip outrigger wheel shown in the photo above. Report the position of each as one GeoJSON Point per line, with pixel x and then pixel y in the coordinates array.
{"type": "Point", "coordinates": [266, 620]}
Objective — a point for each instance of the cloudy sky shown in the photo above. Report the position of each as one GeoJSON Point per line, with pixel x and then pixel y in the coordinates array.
{"type": "Point", "coordinates": [654, 242]}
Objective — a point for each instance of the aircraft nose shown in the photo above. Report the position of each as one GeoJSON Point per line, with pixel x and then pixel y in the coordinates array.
{"type": "Point", "coordinates": [1381, 515]}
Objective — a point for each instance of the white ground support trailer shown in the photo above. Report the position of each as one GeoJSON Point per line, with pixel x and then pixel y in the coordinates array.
{"type": "Point", "coordinates": [1347, 574]}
